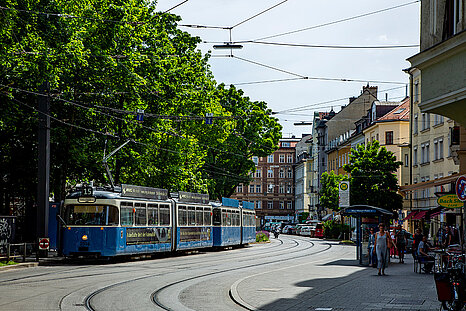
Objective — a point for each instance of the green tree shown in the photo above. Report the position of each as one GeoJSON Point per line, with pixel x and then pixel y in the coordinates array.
{"type": "Point", "coordinates": [373, 179]}
{"type": "Point", "coordinates": [329, 192]}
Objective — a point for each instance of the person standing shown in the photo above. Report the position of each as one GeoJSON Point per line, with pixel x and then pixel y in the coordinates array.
{"type": "Point", "coordinates": [382, 242]}
{"type": "Point", "coordinates": [370, 248]}
{"type": "Point", "coordinates": [400, 240]}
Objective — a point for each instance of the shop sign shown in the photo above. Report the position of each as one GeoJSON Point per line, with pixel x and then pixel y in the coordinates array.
{"type": "Point", "coordinates": [449, 201]}
{"type": "Point", "coordinates": [461, 188]}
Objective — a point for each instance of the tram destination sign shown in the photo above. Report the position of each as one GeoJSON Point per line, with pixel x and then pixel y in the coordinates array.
{"type": "Point", "coordinates": [143, 192]}
{"type": "Point", "coordinates": [193, 197]}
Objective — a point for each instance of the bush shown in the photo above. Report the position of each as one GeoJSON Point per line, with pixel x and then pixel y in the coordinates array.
{"type": "Point", "coordinates": [262, 236]}
{"type": "Point", "coordinates": [332, 229]}
{"type": "Point", "coordinates": [4, 263]}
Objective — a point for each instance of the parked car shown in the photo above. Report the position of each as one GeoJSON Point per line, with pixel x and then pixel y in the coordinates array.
{"type": "Point", "coordinates": [287, 229]}
{"type": "Point", "coordinates": [305, 231]}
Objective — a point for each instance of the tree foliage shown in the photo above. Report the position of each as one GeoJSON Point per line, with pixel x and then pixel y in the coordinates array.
{"type": "Point", "coordinates": [329, 193]}
{"type": "Point", "coordinates": [104, 60]}
{"type": "Point", "coordinates": [373, 179]}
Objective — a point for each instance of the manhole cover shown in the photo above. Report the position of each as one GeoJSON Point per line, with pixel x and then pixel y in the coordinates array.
{"type": "Point", "coordinates": [406, 301]}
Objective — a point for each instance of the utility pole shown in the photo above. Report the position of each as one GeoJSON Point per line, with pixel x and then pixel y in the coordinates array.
{"type": "Point", "coordinates": [43, 173]}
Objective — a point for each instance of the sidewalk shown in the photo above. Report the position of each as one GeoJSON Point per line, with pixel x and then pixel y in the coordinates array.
{"type": "Point", "coordinates": [341, 285]}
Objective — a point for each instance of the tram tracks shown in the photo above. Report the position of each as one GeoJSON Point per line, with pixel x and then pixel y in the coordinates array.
{"type": "Point", "coordinates": [88, 299]}
{"type": "Point", "coordinates": [155, 295]}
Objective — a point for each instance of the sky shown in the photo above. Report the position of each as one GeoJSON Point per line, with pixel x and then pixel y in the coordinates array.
{"type": "Point", "coordinates": [398, 26]}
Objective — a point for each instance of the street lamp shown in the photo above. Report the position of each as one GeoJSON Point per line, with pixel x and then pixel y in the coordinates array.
{"type": "Point", "coordinates": [228, 45]}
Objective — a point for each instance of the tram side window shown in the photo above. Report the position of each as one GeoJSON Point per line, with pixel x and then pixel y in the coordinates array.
{"type": "Point", "coordinates": [207, 217]}
{"type": "Point", "coordinates": [199, 216]}
{"type": "Point", "coordinates": [182, 217]}
{"type": "Point", "coordinates": [191, 216]}
{"type": "Point", "coordinates": [126, 214]}
{"type": "Point", "coordinates": [89, 215]}
{"type": "Point", "coordinates": [152, 214]}
{"type": "Point", "coordinates": [140, 215]}
{"type": "Point", "coordinates": [237, 220]}
{"type": "Point", "coordinates": [217, 213]}
{"type": "Point", "coordinates": [164, 214]}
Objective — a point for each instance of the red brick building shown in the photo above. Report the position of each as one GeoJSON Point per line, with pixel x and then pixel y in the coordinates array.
{"type": "Point", "coordinates": [272, 189]}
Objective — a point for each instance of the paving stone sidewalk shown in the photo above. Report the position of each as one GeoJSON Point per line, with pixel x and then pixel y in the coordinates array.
{"type": "Point", "coordinates": [341, 285]}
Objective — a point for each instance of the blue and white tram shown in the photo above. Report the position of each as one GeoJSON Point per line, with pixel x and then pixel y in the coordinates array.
{"type": "Point", "coordinates": [227, 223]}
{"type": "Point", "coordinates": [193, 221]}
{"type": "Point", "coordinates": [130, 220]}
{"type": "Point", "coordinates": [248, 223]}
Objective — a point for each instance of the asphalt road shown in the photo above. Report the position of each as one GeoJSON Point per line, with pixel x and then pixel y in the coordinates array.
{"type": "Point", "coordinates": [289, 273]}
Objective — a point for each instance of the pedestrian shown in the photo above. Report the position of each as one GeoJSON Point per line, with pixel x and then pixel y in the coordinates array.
{"type": "Point", "coordinates": [424, 256]}
{"type": "Point", "coordinates": [383, 242]}
{"type": "Point", "coordinates": [370, 249]}
{"type": "Point", "coordinates": [400, 240]}
{"type": "Point", "coordinates": [417, 239]}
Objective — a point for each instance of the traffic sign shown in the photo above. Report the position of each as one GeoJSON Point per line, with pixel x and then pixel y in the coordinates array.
{"type": "Point", "coordinates": [461, 188]}
{"type": "Point", "coordinates": [344, 194]}
{"type": "Point", "coordinates": [44, 244]}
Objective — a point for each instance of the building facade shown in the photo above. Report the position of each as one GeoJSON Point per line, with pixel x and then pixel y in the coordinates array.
{"type": "Point", "coordinates": [272, 187]}
{"type": "Point", "coordinates": [303, 177]}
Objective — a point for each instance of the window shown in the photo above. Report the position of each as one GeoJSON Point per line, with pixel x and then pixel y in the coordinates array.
{"type": "Point", "coordinates": [281, 173]}
{"type": "Point", "coordinates": [281, 158]}
{"type": "Point", "coordinates": [270, 173]}
{"type": "Point", "coordinates": [259, 204]}
{"type": "Point", "coordinates": [126, 212]}
{"type": "Point", "coordinates": [199, 216]}
{"type": "Point", "coordinates": [433, 16]}
{"type": "Point", "coordinates": [415, 124]}
{"type": "Point", "coordinates": [270, 188]}
{"type": "Point", "coordinates": [285, 144]}
{"type": "Point", "coordinates": [389, 138]}
{"type": "Point", "coordinates": [282, 205]}
{"type": "Point", "coordinates": [164, 214]}
{"type": "Point", "coordinates": [416, 92]}
{"type": "Point", "coordinates": [207, 217]}
{"type": "Point", "coordinates": [438, 119]}
{"type": "Point", "coordinates": [255, 160]}
{"type": "Point", "coordinates": [289, 205]}
{"type": "Point", "coordinates": [288, 188]}
{"type": "Point", "coordinates": [270, 158]}
{"type": "Point", "coordinates": [152, 214]}
{"type": "Point", "coordinates": [217, 217]}
{"type": "Point", "coordinates": [182, 216]}
{"type": "Point", "coordinates": [140, 214]}
{"type": "Point", "coordinates": [289, 158]}
{"type": "Point", "coordinates": [406, 160]}
{"type": "Point", "coordinates": [289, 173]}
{"type": "Point", "coordinates": [258, 173]}
{"type": "Point", "coordinates": [258, 188]}
{"type": "Point", "coordinates": [239, 189]}
{"type": "Point", "coordinates": [191, 216]}
{"type": "Point", "coordinates": [425, 150]}
{"type": "Point", "coordinates": [440, 146]}
{"type": "Point", "coordinates": [281, 188]}
{"type": "Point", "coordinates": [93, 215]}
{"type": "Point", "coordinates": [415, 155]}
{"type": "Point", "coordinates": [251, 188]}
{"type": "Point", "coordinates": [269, 204]}
{"type": "Point", "coordinates": [425, 122]}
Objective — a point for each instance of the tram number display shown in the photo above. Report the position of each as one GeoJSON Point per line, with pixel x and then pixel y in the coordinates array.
{"type": "Point", "coordinates": [194, 234]}
{"type": "Point", "coordinates": [147, 235]}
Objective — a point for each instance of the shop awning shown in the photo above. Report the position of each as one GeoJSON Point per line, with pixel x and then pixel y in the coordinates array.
{"type": "Point", "coordinates": [410, 215]}
{"type": "Point", "coordinates": [419, 215]}
{"type": "Point", "coordinates": [435, 214]}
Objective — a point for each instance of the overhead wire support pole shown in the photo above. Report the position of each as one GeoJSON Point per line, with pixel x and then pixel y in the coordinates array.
{"type": "Point", "coordinates": [104, 162]}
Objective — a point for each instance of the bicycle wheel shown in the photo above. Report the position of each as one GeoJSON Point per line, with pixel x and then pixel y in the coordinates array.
{"type": "Point", "coordinates": [452, 305]}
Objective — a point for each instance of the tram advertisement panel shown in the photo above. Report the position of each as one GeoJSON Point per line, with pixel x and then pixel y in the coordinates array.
{"type": "Point", "coordinates": [194, 234]}
{"type": "Point", "coordinates": [147, 235]}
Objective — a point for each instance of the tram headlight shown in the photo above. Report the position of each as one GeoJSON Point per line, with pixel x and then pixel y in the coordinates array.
{"type": "Point", "coordinates": [84, 237]}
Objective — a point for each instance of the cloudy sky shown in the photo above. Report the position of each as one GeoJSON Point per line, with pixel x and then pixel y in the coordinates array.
{"type": "Point", "coordinates": [398, 26]}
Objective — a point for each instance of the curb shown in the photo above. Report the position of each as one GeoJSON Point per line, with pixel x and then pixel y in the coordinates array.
{"type": "Point", "coordinates": [19, 266]}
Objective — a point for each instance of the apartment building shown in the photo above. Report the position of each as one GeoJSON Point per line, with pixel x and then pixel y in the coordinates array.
{"type": "Point", "coordinates": [272, 187]}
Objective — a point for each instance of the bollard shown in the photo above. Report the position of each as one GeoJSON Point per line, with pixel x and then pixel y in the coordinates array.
{"type": "Point", "coordinates": [8, 252]}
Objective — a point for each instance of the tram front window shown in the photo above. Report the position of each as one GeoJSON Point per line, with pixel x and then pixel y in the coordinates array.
{"type": "Point", "coordinates": [91, 215]}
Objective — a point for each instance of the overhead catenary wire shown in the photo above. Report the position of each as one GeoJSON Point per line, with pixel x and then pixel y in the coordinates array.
{"type": "Point", "coordinates": [371, 47]}
{"type": "Point", "coordinates": [174, 7]}
{"type": "Point", "coordinates": [332, 22]}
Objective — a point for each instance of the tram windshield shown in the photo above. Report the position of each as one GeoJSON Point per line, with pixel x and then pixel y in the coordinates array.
{"type": "Point", "coordinates": [91, 215]}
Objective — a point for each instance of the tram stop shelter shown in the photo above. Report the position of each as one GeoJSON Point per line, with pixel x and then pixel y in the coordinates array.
{"type": "Point", "coordinates": [372, 216]}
